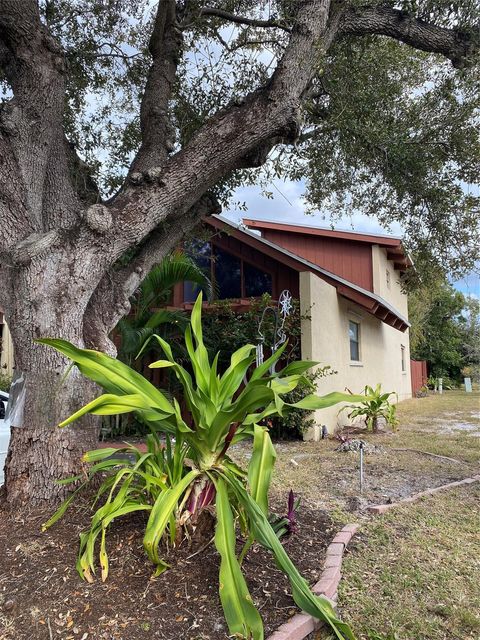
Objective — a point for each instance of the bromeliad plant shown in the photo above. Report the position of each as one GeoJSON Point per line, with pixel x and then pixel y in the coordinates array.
{"type": "Point", "coordinates": [173, 482]}
{"type": "Point", "coordinates": [375, 405]}
{"type": "Point", "coordinates": [286, 525]}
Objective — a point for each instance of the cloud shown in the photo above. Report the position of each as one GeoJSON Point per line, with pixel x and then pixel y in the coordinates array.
{"type": "Point", "coordinates": [288, 205]}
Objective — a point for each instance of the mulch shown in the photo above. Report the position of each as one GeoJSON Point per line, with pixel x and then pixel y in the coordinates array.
{"type": "Point", "coordinates": [42, 596]}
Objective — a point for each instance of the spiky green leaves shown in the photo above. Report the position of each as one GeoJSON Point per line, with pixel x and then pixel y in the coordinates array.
{"type": "Point", "coordinates": [225, 408]}
{"type": "Point", "coordinates": [262, 531]}
{"type": "Point", "coordinates": [242, 617]}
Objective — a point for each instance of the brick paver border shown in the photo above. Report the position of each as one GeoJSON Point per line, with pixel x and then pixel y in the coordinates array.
{"type": "Point", "coordinates": [302, 624]}
{"type": "Point", "coordinates": [382, 508]}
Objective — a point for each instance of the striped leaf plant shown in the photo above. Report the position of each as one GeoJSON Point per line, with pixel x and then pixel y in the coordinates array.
{"type": "Point", "coordinates": [187, 466]}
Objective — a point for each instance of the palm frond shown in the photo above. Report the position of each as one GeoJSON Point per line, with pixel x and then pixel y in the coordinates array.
{"type": "Point", "coordinates": [173, 269]}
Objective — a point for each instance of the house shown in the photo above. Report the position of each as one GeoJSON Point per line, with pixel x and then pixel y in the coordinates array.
{"type": "Point", "coordinates": [349, 289]}
{"type": "Point", "coordinates": [348, 284]}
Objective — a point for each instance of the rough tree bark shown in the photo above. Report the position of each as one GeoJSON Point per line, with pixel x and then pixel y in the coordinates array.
{"type": "Point", "coordinates": [59, 243]}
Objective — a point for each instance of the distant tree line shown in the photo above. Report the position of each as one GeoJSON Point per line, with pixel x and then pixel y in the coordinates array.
{"type": "Point", "coordinates": [445, 331]}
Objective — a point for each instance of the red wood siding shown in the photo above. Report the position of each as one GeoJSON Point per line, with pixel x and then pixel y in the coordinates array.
{"type": "Point", "coordinates": [348, 259]}
{"type": "Point", "coordinates": [418, 370]}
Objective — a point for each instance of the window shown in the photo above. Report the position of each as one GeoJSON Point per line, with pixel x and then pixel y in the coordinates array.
{"type": "Point", "coordinates": [387, 278]}
{"type": "Point", "coordinates": [404, 367]}
{"type": "Point", "coordinates": [232, 276]}
{"type": "Point", "coordinates": [354, 335]}
{"type": "Point", "coordinates": [228, 274]}
{"type": "Point", "coordinates": [257, 282]}
{"type": "Point", "coordinates": [201, 254]}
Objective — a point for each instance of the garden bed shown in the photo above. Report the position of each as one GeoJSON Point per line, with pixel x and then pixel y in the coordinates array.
{"type": "Point", "coordinates": [42, 596]}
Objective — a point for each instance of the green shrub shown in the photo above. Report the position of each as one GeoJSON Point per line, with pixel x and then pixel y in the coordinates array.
{"type": "Point", "coordinates": [226, 330]}
{"type": "Point", "coordinates": [373, 407]}
{"type": "Point", "coordinates": [293, 425]}
{"type": "Point", "coordinates": [172, 483]}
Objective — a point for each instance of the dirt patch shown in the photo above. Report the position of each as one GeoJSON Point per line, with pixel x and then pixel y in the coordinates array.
{"type": "Point", "coordinates": [331, 478]}
{"type": "Point", "coordinates": [42, 596]}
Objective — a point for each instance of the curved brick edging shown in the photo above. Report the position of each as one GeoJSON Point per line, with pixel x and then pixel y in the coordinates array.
{"type": "Point", "coordinates": [302, 624]}
{"type": "Point", "coordinates": [382, 508]}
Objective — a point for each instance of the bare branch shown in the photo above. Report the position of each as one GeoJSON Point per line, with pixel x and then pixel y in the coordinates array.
{"type": "Point", "coordinates": [455, 44]}
{"type": "Point", "coordinates": [253, 22]}
{"type": "Point", "coordinates": [33, 246]}
{"type": "Point", "coordinates": [157, 131]}
{"type": "Point", "coordinates": [245, 43]}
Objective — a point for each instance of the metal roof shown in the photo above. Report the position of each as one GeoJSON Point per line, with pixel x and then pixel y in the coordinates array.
{"type": "Point", "coordinates": [298, 227]}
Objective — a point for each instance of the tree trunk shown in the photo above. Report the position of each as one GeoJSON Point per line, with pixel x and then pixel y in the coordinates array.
{"type": "Point", "coordinates": [40, 453]}
{"type": "Point", "coordinates": [60, 246]}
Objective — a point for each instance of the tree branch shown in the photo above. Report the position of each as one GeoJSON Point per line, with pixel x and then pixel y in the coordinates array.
{"type": "Point", "coordinates": [111, 300]}
{"type": "Point", "coordinates": [242, 134]}
{"type": "Point", "coordinates": [33, 62]}
{"type": "Point", "coordinates": [158, 136]}
{"type": "Point", "coordinates": [455, 44]}
{"type": "Point", "coordinates": [253, 22]}
{"type": "Point", "coordinates": [223, 144]}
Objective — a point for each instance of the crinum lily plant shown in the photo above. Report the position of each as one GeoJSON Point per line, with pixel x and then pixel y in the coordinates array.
{"type": "Point", "coordinates": [188, 468]}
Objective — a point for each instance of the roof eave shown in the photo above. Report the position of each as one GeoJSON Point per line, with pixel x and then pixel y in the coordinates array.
{"type": "Point", "coordinates": [371, 302]}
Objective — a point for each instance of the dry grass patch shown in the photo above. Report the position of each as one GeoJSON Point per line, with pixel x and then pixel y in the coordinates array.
{"type": "Point", "coordinates": [447, 424]}
{"type": "Point", "coordinates": [330, 479]}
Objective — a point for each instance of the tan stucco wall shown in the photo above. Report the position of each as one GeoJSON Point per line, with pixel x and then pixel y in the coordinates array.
{"type": "Point", "coordinates": [392, 294]}
{"type": "Point", "coordinates": [325, 339]}
{"type": "Point", "coordinates": [6, 355]}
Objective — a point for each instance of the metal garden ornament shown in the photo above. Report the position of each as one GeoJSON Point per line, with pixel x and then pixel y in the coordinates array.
{"type": "Point", "coordinates": [280, 313]}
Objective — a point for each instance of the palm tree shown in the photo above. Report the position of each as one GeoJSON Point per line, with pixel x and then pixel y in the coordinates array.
{"type": "Point", "coordinates": [148, 315]}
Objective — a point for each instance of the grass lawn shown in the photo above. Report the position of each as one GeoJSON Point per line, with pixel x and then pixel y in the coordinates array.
{"type": "Point", "coordinates": [447, 424]}
{"type": "Point", "coordinates": [414, 573]}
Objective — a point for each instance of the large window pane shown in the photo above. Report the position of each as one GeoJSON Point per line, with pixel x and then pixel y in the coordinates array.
{"type": "Point", "coordinates": [227, 275]}
{"type": "Point", "coordinates": [201, 253]}
{"type": "Point", "coordinates": [190, 291]}
{"type": "Point", "coordinates": [257, 282]}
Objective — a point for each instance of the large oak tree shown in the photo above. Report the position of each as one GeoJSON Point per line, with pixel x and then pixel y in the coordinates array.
{"type": "Point", "coordinates": [373, 103]}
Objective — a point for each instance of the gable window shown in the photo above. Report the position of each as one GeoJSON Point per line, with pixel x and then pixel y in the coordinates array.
{"type": "Point", "coordinates": [404, 364]}
{"type": "Point", "coordinates": [201, 252]}
{"type": "Point", "coordinates": [256, 281]}
{"type": "Point", "coordinates": [232, 276]}
{"type": "Point", "coordinates": [354, 335]}
{"type": "Point", "coordinates": [228, 274]}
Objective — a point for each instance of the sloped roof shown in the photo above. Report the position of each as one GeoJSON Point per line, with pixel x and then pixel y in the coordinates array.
{"type": "Point", "coordinates": [371, 302]}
